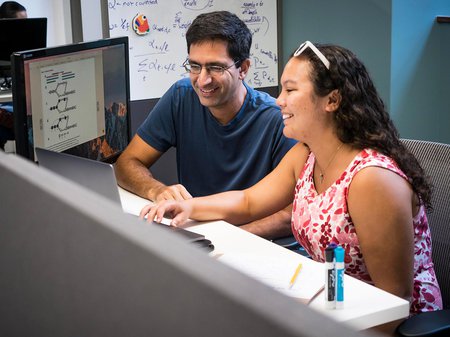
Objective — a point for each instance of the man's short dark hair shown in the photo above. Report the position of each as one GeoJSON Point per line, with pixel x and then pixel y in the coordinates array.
{"type": "Point", "coordinates": [225, 26]}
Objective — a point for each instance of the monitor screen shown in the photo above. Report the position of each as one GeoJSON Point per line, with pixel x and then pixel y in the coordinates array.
{"type": "Point", "coordinates": [17, 35]}
{"type": "Point", "coordinates": [73, 99]}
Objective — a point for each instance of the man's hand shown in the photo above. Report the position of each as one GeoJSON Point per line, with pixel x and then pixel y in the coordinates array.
{"type": "Point", "coordinates": [173, 192]}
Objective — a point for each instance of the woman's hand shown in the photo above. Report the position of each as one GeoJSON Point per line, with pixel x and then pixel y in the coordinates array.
{"type": "Point", "coordinates": [179, 211]}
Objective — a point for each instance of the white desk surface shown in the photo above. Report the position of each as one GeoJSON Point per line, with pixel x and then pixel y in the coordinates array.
{"type": "Point", "coordinates": [365, 306]}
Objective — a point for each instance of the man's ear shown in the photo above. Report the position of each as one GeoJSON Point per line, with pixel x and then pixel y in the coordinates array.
{"type": "Point", "coordinates": [334, 100]}
{"type": "Point", "coordinates": [245, 66]}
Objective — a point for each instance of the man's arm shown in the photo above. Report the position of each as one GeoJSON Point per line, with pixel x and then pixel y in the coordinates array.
{"type": "Point", "coordinates": [273, 226]}
{"type": "Point", "coordinates": [132, 172]}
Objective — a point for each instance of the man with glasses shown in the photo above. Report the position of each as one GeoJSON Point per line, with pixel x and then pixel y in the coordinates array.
{"type": "Point", "coordinates": [228, 136]}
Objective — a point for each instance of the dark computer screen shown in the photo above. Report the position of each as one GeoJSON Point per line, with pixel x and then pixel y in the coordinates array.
{"type": "Point", "coordinates": [73, 99]}
{"type": "Point", "coordinates": [17, 35]}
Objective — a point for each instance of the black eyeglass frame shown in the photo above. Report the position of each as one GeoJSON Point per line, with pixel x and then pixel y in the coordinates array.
{"type": "Point", "coordinates": [211, 69]}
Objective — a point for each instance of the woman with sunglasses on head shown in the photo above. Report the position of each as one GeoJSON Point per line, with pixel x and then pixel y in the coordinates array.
{"type": "Point", "coordinates": [350, 179]}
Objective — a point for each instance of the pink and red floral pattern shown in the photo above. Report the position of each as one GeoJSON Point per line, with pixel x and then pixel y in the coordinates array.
{"type": "Point", "coordinates": [321, 219]}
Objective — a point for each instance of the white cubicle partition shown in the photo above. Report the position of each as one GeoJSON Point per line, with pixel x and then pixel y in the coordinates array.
{"type": "Point", "coordinates": [73, 264]}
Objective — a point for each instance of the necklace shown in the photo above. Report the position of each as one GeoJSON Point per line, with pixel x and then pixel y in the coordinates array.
{"type": "Point", "coordinates": [322, 172]}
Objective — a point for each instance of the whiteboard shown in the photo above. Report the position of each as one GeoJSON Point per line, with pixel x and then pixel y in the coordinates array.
{"type": "Point", "coordinates": [156, 58]}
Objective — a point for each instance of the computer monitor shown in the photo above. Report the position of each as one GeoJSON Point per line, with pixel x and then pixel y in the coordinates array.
{"type": "Point", "coordinates": [73, 99]}
{"type": "Point", "coordinates": [18, 35]}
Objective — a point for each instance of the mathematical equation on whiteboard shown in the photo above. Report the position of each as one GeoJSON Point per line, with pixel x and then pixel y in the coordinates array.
{"type": "Point", "coordinates": [157, 29]}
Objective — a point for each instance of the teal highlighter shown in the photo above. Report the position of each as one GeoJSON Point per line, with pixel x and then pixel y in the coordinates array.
{"type": "Point", "coordinates": [339, 254]}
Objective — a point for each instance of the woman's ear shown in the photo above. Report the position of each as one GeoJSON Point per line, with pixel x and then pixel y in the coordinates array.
{"type": "Point", "coordinates": [245, 66]}
{"type": "Point", "coordinates": [334, 100]}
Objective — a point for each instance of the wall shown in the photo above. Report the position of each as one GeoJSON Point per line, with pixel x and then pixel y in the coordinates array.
{"type": "Point", "coordinates": [401, 44]}
{"type": "Point", "coordinates": [361, 26]}
{"type": "Point", "coordinates": [420, 78]}
{"type": "Point", "coordinates": [92, 25]}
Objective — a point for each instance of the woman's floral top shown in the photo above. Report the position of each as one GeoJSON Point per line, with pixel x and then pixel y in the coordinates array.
{"type": "Point", "coordinates": [321, 219]}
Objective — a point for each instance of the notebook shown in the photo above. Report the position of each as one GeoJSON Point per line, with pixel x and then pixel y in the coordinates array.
{"type": "Point", "coordinates": [100, 178]}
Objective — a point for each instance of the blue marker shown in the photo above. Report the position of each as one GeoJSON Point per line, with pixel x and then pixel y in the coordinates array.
{"type": "Point", "coordinates": [330, 279]}
{"type": "Point", "coordinates": [339, 253]}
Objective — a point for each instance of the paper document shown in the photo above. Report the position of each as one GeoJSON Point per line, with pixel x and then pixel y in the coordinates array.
{"type": "Point", "coordinates": [277, 273]}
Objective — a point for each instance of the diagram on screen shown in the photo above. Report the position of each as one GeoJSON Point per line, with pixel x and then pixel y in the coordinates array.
{"type": "Point", "coordinates": [70, 107]}
{"type": "Point", "coordinates": [62, 123]}
{"type": "Point", "coordinates": [62, 93]}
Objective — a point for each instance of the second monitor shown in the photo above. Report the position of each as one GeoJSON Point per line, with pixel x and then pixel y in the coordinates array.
{"type": "Point", "coordinates": [73, 99]}
{"type": "Point", "coordinates": [17, 35]}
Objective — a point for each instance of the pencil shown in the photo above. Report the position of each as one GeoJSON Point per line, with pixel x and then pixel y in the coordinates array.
{"type": "Point", "coordinates": [294, 277]}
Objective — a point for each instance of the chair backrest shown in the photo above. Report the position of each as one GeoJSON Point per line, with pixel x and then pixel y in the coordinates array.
{"type": "Point", "coordinates": [435, 160]}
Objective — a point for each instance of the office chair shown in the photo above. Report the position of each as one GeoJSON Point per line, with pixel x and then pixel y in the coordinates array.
{"type": "Point", "coordinates": [435, 160]}
{"type": "Point", "coordinates": [289, 242]}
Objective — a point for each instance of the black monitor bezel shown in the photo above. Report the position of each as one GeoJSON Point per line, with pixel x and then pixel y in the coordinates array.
{"type": "Point", "coordinates": [19, 90]}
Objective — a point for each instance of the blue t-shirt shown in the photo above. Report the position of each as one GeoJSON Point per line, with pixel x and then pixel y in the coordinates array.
{"type": "Point", "coordinates": [211, 157]}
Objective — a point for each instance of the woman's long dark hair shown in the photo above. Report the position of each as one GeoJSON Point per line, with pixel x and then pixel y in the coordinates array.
{"type": "Point", "coordinates": [361, 119]}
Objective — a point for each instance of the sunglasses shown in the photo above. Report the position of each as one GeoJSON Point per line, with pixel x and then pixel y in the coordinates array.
{"type": "Point", "coordinates": [308, 44]}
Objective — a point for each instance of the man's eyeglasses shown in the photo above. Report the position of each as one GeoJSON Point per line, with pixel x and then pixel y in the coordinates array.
{"type": "Point", "coordinates": [196, 69]}
{"type": "Point", "coordinates": [308, 44]}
